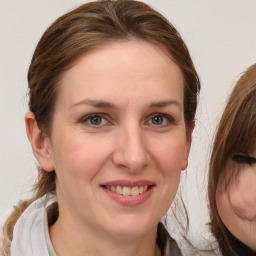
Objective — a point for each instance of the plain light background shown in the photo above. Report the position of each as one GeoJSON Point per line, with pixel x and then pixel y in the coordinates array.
{"type": "Point", "coordinates": [221, 37]}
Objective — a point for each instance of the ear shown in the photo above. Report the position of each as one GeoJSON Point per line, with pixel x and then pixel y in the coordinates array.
{"type": "Point", "coordinates": [188, 145]}
{"type": "Point", "coordinates": [39, 142]}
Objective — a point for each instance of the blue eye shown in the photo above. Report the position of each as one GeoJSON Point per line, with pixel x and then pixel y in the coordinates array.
{"type": "Point", "coordinates": [158, 120]}
{"type": "Point", "coordinates": [242, 159]}
{"type": "Point", "coordinates": [94, 120]}
{"type": "Point", "coordinates": [161, 119]}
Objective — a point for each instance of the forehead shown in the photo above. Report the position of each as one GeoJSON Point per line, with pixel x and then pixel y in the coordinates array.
{"type": "Point", "coordinates": [126, 68]}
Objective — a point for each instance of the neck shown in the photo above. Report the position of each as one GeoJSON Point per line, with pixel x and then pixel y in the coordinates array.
{"type": "Point", "coordinates": [71, 239]}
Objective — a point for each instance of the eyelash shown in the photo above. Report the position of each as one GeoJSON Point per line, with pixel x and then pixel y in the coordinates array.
{"type": "Point", "coordinates": [169, 119]}
{"type": "Point", "coordinates": [86, 119]}
{"type": "Point", "coordinates": [242, 159]}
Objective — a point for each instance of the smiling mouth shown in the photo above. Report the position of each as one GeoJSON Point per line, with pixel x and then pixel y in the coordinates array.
{"type": "Point", "coordinates": [128, 191]}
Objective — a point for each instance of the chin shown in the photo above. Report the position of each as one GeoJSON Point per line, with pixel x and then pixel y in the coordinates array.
{"type": "Point", "coordinates": [132, 230]}
{"type": "Point", "coordinates": [251, 245]}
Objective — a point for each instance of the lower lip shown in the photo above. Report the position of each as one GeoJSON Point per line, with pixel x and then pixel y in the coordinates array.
{"type": "Point", "coordinates": [130, 200]}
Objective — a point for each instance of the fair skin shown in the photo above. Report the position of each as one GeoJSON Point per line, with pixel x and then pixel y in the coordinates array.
{"type": "Point", "coordinates": [237, 204]}
{"type": "Point", "coordinates": [118, 125]}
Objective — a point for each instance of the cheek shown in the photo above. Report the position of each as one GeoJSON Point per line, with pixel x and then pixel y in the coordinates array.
{"type": "Point", "coordinates": [80, 154]}
{"type": "Point", "coordinates": [169, 155]}
{"type": "Point", "coordinates": [221, 200]}
{"type": "Point", "coordinates": [169, 158]}
{"type": "Point", "coordinates": [242, 193]}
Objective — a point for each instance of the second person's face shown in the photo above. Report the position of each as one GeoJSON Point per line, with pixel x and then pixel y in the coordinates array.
{"type": "Point", "coordinates": [118, 141]}
{"type": "Point", "coordinates": [237, 203]}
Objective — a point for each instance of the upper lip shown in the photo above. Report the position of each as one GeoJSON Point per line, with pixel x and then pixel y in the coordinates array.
{"type": "Point", "coordinates": [128, 183]}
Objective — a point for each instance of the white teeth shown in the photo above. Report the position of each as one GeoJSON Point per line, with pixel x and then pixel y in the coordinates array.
{"type": "Point", "coordinates": [127, 191]}
{"type": "Point", "coordinates": [135, 191]}
{"type": "Point", "coordinates": [119, 190]}
{"type": "Point", "coordinates": [140, 189]}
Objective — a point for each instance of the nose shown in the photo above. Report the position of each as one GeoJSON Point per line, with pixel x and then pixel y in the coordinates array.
{"type": "Point", "coordinates": [131, 151]}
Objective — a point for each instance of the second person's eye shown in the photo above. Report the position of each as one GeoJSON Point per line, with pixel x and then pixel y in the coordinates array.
{"type": "Point", "coordinates": [242, 159]}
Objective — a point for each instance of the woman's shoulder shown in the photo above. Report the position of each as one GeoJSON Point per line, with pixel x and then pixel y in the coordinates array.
{"type": "Point", "coordinates": [30, 226]}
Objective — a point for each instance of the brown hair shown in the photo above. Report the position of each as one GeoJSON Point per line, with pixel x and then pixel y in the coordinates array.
{"type": "Point", "coordinates": [85, 28]}
{"type": "Point", "coordinates": [234, 135]}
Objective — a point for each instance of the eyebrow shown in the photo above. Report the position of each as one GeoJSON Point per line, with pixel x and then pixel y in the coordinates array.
{"type": "Point", "coordinates": [105, 104]}
{"type": "Point", "coordinates": [162, 104]}
{"type": "Point", "coordinates": [93, 103]}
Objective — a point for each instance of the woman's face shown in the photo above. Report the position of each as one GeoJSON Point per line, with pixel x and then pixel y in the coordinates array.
{"type": "Point", "coordinates": [118, 141]}
{"type": "Point", "coordinates": [237, 204]}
